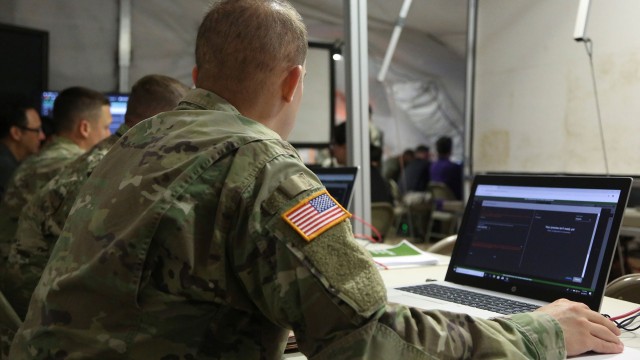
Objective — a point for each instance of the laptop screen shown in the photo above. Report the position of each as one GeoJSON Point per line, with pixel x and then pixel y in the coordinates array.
{"type": "Point", "coordinates": [543, 237]}
{"type": "Point", "coordinates": [339, 182]}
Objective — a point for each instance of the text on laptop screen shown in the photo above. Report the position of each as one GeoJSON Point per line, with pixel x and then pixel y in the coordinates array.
{"type": "Point", "coordinates": [545, 235]}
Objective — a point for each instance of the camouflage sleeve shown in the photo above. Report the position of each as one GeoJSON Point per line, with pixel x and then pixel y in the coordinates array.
{"type": "Point", "coordinates": [407, 333]}
{"type": "Point", "coordinates": [329, 291]}
{"type": "Point", "coordinates": [28, 255]}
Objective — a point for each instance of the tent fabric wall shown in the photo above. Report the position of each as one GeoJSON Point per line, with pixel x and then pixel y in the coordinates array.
{"type": "Point", "coordinates": [164, 37]}
{"type": "Point", "coordinates": [535, 105]}
{"type": "Point", "coordinates": [421, 98]}
{"type": "Point", "coordinates": [82, 38]}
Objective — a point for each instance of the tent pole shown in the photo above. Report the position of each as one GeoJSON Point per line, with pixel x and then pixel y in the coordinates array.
{"type": "Point", "coordinates": [404, 10]}
{"type": "Point", "coordinates": [472, 17]}
{"type": "Point", "coordinates": [124, 46]}
{"type": "Point", "coordinates": [357, 91]}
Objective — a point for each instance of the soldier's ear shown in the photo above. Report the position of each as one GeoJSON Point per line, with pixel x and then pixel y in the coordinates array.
{"type": "Point", "coordinates": [84, 128]}
{"type": "Point", "coordinates": [15, 133]}
{"type": "Point", "coordinates": [291, 82]}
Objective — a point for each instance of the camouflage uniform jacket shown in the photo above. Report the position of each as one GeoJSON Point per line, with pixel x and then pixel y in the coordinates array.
{"type": "Point", "coordinates": [41, 223]}
{"type": "Point", "coordinates": [32, 174]}
{"type": "Point", "coordinates": [8, 164]}
{"type": "Point", "coordinates": [177, 248]}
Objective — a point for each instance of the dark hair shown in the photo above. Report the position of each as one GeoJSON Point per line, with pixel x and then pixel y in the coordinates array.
{"type": "Point", "coordinates": [375, 153]}
{"type": "Point", "coordinates": [422, 148]}
{"type": "Point", "coordinates": [74, 104]}
{"type": "Point", "coordinates": [13, 112]}
{"type": "Point", "coordinates": [242, 43]}
{"type": "Point", "coordinates": [153, 94]}
{"type": "Point", "coordinates": [443, 145]}
{"type": "Point", "coordinates": [340, 134]}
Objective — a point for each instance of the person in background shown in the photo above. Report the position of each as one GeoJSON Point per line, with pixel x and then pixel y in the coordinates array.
{"type": "Point", "coordinates": [190, 239]}
{"type": "Point", "coordinates": [415, 176]}
{"type": "Point", "coordinates": [380, 190]}
{"type": "Point", "coordinates": [338, 148]}
{"type": "Point", "coordinates": [82, 119]}
{"type": "Point", "coordinates": [43, 218]}
{"type": "Point", "coordinates": [376, 136]}
{"type": "Point", "coordinates": [393, 166]}
{"type": "Point", "coordinates": [20, 135]}
{"type": "Point", "coordinates": [444, 170]}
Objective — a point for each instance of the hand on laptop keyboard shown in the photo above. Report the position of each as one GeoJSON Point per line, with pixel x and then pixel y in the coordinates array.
{"type": "Point", "coordinates": [584, 329]}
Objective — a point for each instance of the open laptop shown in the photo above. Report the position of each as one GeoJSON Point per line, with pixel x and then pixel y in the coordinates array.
{"type": "Point", "coordinates": [532, 239]}
{"type": "Point", "coordinates": [339, 182]}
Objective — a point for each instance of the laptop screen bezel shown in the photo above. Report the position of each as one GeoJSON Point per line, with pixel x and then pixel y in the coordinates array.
{"type": "Point", "coordinates": [551, 293]}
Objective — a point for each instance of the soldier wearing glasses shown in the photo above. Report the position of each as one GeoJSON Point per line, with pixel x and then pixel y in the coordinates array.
{"type": "Point", "coordinates": [81, 117]}
{"type": "Point", "coordinates": [20, 135]}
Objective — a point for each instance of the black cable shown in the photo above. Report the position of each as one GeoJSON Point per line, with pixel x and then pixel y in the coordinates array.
{"type": "Point", "coordinates": [588, 45]}
{"type": "Point", "coordinates": [625, 323]}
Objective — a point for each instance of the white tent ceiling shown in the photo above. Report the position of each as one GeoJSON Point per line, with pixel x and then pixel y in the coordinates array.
{"type": "Point", "coordinates": [421, 98]}
{"type": "Point", "coordinates": [443, 20]}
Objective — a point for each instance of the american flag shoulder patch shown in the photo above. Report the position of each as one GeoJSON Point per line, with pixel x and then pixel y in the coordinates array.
{"type": "Point", "coordinates": [315, 215]}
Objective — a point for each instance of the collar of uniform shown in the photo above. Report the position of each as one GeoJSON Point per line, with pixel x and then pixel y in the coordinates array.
{"type": "Point", "coordinates": [63, 142]}
{"type": "Point", "coordinates": [207, 100]}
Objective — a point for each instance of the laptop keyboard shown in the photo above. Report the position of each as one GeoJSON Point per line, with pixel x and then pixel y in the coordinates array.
{"type": "Point", "coordinates": [470, 298]}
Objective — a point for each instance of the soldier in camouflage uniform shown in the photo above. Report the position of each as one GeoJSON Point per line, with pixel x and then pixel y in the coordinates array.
{"type": "Point", "coordinates": [43, 217]}
{"type": "Point", "coordinates": [201, 235]}
{"type": "Point", "coordinates": [20, 134]}
{"type": "Point", "coordinates": [82, 119]}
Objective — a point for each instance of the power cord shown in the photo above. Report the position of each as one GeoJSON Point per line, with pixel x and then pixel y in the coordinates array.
{"type": "Point", "coordinates": [367, 237]}
{"type": "Point", "coordinates": [628, 320]}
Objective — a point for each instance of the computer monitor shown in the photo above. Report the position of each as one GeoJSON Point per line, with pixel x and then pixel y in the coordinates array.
{"type": "Point", "coordinates": [118, 110]}
{"type": "Point", "coordinates": [46, 103]}
{"type": "Point", "coordinates": [24, 64]}
{"type": "Point", "coordinates": [118, 107]}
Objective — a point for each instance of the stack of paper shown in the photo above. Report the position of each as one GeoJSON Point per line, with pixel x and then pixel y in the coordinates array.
{"type": "Point", "coordinates": [404, 254]}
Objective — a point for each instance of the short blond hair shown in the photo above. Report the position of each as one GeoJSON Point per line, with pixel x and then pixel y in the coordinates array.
{"type": "Point", "coordinates": [153, 94]}
{"type": "Point", "coordinates": [241, 44]}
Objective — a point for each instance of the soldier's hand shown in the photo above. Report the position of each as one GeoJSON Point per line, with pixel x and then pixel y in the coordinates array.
{"type": "Point", "coordinates": [584, 329]}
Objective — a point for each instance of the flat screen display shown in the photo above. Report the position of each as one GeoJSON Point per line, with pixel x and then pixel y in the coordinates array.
{"type": "Point", "coordinates": [118, 110]}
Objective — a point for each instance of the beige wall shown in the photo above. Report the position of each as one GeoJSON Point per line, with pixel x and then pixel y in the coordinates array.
{"type": "Point", "coordinates": [535, 109]}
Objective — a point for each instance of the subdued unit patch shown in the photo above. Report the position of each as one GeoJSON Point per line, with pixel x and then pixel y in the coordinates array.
{"type": "Point", "coordinates": [296, 184]}
{"type": "Point", "coordinates": [287, 190]}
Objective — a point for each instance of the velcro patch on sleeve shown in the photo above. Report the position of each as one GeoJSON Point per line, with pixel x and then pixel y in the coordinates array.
{"type": "Point", "coordinates": [315, 215]}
